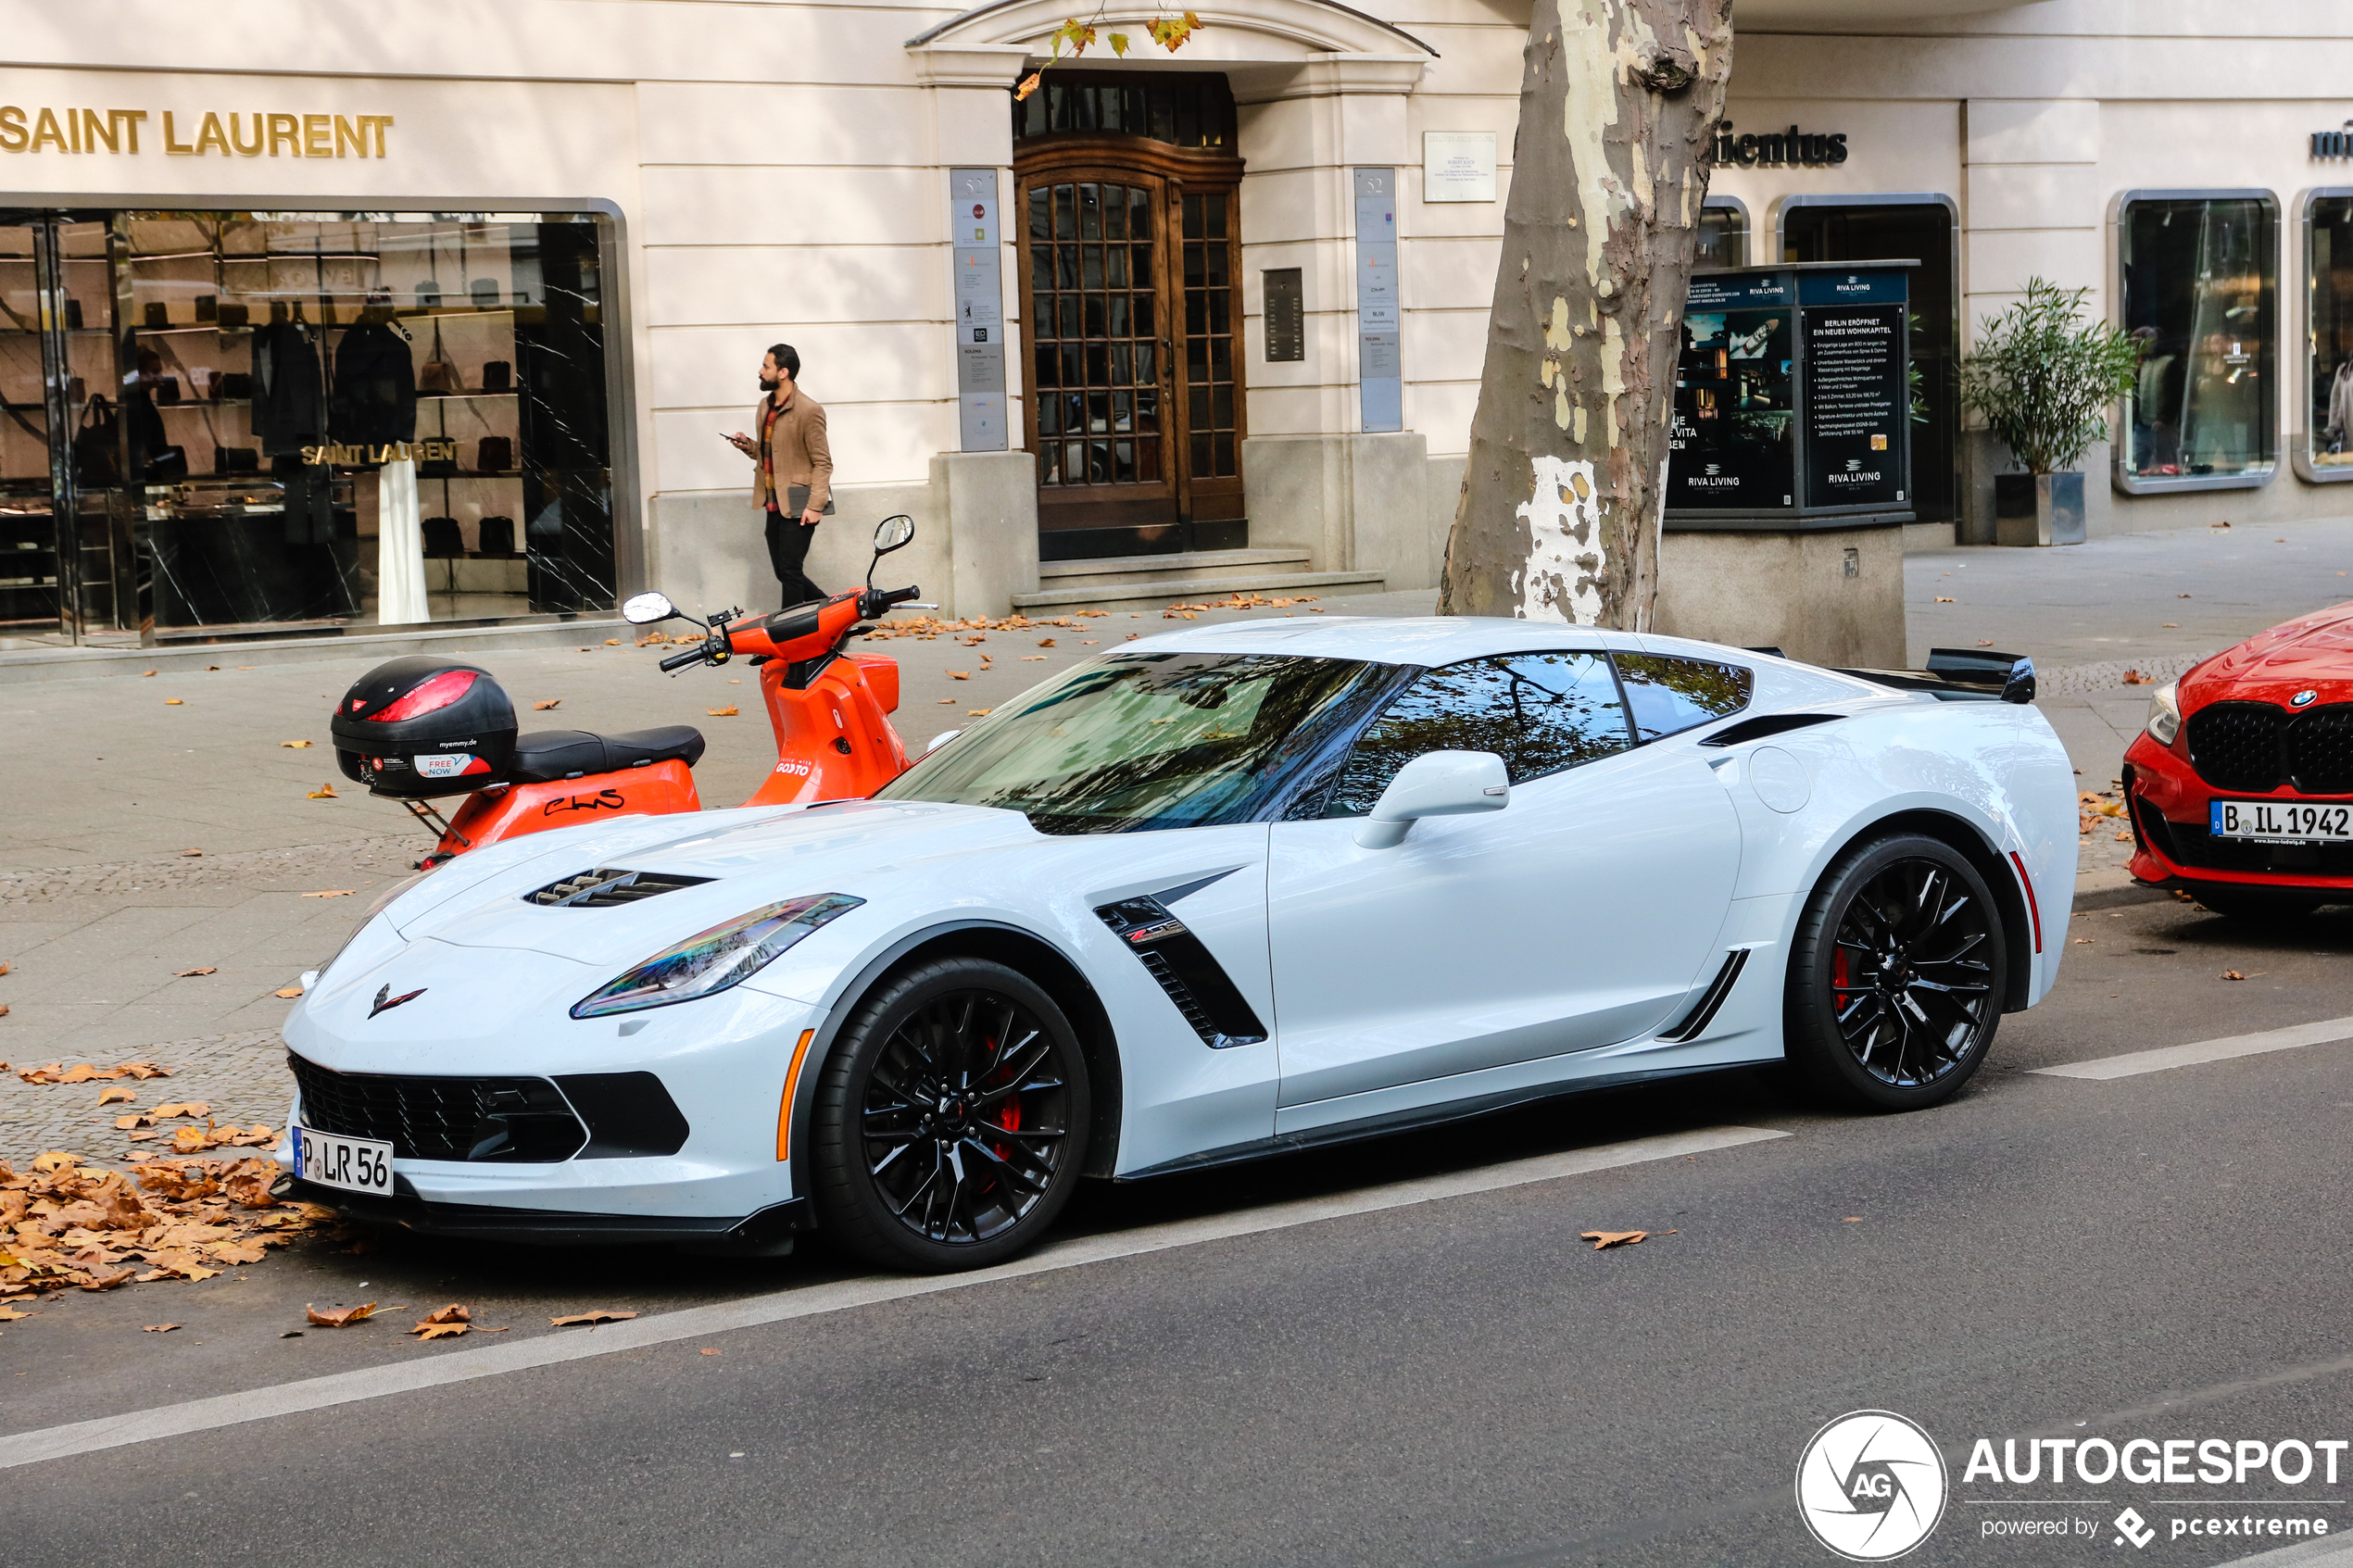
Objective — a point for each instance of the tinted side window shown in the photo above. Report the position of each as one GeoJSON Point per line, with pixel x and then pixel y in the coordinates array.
{"type": "Point", "coordinates": [1539, 712]}
{"type": "Point", "coordinates": [1671, 695]}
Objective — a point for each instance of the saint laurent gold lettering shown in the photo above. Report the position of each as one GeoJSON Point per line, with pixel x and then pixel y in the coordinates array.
{"type": "Point", "coordinates": [33, 129]}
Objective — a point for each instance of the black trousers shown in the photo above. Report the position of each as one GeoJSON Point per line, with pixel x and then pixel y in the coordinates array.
{"type": "Point", "coordinates": [787, 547]}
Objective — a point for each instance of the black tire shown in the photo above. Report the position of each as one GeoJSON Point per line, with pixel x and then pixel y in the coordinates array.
{"type": "Point", "coordinates": [2256, 905]}
{"type": "Point", "coordinates": [951, 1119]}
{"type": "Point", "coordinates": [1897, 977]}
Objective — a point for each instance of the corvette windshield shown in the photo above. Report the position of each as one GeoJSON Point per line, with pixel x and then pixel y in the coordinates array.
{"type": "Point", "coordinates": [1147, 740]}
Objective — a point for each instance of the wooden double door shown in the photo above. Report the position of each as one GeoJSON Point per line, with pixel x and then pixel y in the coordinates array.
{"type": "Point", "coordinates": [1131, 267]}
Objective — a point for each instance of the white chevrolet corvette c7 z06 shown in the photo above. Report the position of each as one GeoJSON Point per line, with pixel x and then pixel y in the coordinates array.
{"type": "Point", "coordinates": [1222, 893]}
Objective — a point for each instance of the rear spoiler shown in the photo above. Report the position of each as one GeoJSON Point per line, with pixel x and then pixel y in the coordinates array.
{"type": "Point", "coordinates": [1962, 675]}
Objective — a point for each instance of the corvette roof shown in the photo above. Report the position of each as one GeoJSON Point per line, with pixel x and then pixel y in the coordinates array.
{"type": "Point", "coordinates": [1428, 639]}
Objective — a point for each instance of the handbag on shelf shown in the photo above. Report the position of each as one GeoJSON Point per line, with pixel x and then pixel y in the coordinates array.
{"type": "Point", "coordinates": [231, 385]}
{"type": "Point", "coordinates": [437, 467]}
{"type": "Point", "coordinates": [208, 307]}
{"type": "Point", "coordinates": [76, 390]}
{"type": "Point", "coordinates": [235, 316]}
{"type": "Point", "coordinates": [167, 389]}
{"type": "Point", "coordinates": [439, 375]}
{"type": "Point", "coordinates": [483, 292]}
{"type": "Point", "coordinates": [493, 454]}
{"type": "Point", "coordinates": [498, 375]}
{"type": "Point", "coordinates": [73, 315]}
{"type": "Point", "coordinates": [444, 539]}
{"type": "Point", "coordinates": [168, 463]}
{"type": "Point", "coordinates": [498, 536]}
{"type": "Point", "coordinates": [97, 444]}
{"type": "Point", "coordinates": [235, 459]}
{"type": "Point", "coordinates": [157, 314]}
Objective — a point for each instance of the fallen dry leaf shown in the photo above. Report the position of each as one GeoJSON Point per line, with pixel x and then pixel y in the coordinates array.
{"type": "Point", "coordinates": [612, 641]}
{"type": "Point", "coordinates": [106, 1279]}
{"type": "Point", "coordinates": [591, 1318]}
{"type": "Point", "coordinates": [2085, 941]}
{"type": "Point", "coordinates": [145, 673]}
{"type": "Point", "coordinates": [727, 712]}
{"type": "Point", "coordinates": [138, 1119]}
{"type": "Point", "coordinates": [117, 1094]}
{"type": "Point", "coordinates": [341, 1317]}
{"type": "Point", "coordinates": [2134, 678]}
{"type": "Point", "coordinates": [543, 707]}
{"type": "Point", "coordinates": [324, 792]}
{"type": "Point", "coordinates": [1025, 658]}
{"type": "Point", "coordinates": [2171, 626]}
{"type": "Point", "coordinates": [289, 991]}
{"type": "Point", "coordinates": [979, 712]}
{"type": "Point", "coordinates": [296, 745]}
{"type": "Point", "coordinates": [960, 674]}
{"type": "Point", "coordinates": [183, 1108]}
{"type": "Point", "coordinates": [451, 1314]}
{"type": "Point", "coordinates": [2233, 975]}
{"type": "Point", "coordinates": [1942, 600]}
{"type": "Point", "coordinates": [191, 973]}
{"type": "Point", "coordinates": [173, 702]}
{"type": "Point", "coordinates": [191, 854]}
{"type": "Point", "coordinates": [1602, 1239]}
{"type": "Point", "coordinates": [1045, 642]}
{"type": "Point", "coordinates": [1851, 1220]}
{"type": "Point", "coordinates": [1985, 642]}
{"type": "Point", "coordinates": [332, 893]}
{"type": "Point", "coordinates": [11, 1314]}
{"type": "Point", "coordinates": [160, 1328]}
{"type": "Point", "coordinates": [947, 702]}
{"type": "Point", "coordinates": [425, 1331]}
{"type": "Point", "coordinates": [707, 1351]}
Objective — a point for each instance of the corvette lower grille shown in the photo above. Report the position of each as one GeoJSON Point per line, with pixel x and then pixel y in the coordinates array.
{"type": "Point", "coordinates": [519, 1119]}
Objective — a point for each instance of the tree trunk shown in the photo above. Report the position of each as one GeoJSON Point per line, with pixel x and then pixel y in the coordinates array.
{"type": "Point", "coordinates": [1560, 510]}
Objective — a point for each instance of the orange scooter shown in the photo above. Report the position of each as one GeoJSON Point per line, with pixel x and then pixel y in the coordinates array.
{"type": "Point", "coordinates": [420, 729]}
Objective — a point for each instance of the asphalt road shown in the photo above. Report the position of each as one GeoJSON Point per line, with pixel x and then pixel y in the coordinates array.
{"type": "Point", "coordinates": [1458, 1380]}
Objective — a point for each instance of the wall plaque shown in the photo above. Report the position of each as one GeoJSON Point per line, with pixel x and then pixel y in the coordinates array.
{"type": "Point", "coordinates": [1380, 383]}
{"type": "Point", "coordinates": [1458, 166]}
{"type": "Point", "coordinates": [1285, 314]}
{"type": "Point", "coordinates": [980, 310]}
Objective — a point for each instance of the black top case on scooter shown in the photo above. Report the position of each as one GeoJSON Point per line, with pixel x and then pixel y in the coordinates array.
{"type": "Point", "coordinates": [419, 727]}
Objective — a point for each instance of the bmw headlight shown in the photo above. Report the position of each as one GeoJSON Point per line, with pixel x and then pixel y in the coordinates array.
{"type": "Point", "coordinates": [2165, 713]}
{"type": "Point", "coordinates": [710, 963]}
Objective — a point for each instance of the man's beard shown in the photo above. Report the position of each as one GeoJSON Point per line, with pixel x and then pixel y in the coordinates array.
{"type": "Point", "coordinates": [766, 384]}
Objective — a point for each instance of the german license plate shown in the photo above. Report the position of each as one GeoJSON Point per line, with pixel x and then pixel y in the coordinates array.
{"type": "Point", "coordinates": [2278, 821]}
{"type": "Point", "coordinates": [354, 1164]}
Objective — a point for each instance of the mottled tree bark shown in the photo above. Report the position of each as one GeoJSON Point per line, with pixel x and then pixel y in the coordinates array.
{"type": "Point", "coordinates": [1560, 509]}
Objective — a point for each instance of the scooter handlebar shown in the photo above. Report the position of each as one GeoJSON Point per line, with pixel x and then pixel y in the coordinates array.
{"type": "Point", "coordinates": [680, 660]}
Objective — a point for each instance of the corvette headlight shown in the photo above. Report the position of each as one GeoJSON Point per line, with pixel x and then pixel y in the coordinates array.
{"type": "Point", "coordinates": [2165, 713]}
{"type": "Point", "coordinates": [710, 963]}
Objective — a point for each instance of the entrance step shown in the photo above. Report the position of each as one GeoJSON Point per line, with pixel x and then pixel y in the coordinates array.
{"type": "Point", "coordinates": [1117, 583]}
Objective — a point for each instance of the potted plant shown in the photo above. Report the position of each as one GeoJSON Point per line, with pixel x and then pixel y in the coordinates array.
{"type": "Point", "coordinates": [2042, 378]}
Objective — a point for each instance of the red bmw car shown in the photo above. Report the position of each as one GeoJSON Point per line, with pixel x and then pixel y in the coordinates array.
{"type": "Point", "coordinates": [2241, 786]}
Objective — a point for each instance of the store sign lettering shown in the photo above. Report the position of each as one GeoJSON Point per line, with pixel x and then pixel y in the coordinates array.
{"type": "Point", "coordinates": [2334, 144]}
{"type": "Point", "coordinates": [344, 454]}
{"type": "Point", "coordinates": [246, 135]}
{"type": "Point", "coordinates": [1813, 150]}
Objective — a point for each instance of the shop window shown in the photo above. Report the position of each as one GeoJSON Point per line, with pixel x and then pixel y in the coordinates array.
{"type": "Point", "coordinates": [1184, 111]}
{"type": "Point", "coordinates": [2328, 413]}
{"type": "Point", "coordinates": [2196, 290]}
{"type": "Point", "coordinates": [1723, 233]}
{"type": "Point", "coordinates": [287, 420]}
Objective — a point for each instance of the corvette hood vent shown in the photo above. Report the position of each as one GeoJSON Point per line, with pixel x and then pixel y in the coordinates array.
{"type": "Point", "coordinates": [1202, 991]}
{"type": "Point", "coordinates": [602, 889]}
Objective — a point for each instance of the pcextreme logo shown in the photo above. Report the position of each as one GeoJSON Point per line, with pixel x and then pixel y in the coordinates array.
{"type": "Point", "coordinates": [1870, 1485]}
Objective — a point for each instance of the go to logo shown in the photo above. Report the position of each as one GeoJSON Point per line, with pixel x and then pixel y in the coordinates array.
{"type": "Point", "coordinates": [1870, 1485]}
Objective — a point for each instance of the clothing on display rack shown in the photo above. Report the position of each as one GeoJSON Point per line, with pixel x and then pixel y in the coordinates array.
{"type": "Point", "coordinates": [401, 546]}
{"type": "Point", "coordinates": [289, 410]}
{"type": "Point", "coordinates": [374, 400]}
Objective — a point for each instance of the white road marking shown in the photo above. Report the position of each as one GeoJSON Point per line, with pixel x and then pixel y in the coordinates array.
{"type": "Point", "coordinates": [2133, 1063]}
{"type": "Point", "coordinates": [692, 1323]}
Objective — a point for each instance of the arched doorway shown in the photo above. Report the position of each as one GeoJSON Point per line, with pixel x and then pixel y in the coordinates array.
{"type": "Point", "coordinates": [1127, 198]}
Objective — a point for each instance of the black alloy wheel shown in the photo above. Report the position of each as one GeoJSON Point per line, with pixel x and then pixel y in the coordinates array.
{"type": "Point", "coordinates": [1896, 984]}
{"type": "Point", "coordinates": [952, 1118]}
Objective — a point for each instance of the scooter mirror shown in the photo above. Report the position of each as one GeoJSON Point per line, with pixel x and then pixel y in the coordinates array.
{"type": "Point", "coordinates": [644, 609]}
{"type": "Point", "coordinates": [942, 738]}
{"type": "Point", "coordinates": [892, 534]}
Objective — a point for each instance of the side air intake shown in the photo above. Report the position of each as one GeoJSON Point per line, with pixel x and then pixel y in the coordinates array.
{"type": "Point", "coordinates": [1202, 991]}
{"type": "Point", "coordinates": [1694, 1023]}
{"type": "Point", "coordinates": [602, 889]}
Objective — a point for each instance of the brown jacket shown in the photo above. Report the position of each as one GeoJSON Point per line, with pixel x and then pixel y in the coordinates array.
{"type": "Point", "coordinates": [796, 449]}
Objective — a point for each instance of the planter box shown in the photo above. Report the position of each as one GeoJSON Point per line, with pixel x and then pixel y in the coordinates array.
{"type": "Point", "coordinates": [2038, 509]}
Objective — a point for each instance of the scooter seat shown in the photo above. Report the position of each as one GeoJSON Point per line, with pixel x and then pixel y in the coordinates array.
{"type": "Point", "coordinates": [549, 756]}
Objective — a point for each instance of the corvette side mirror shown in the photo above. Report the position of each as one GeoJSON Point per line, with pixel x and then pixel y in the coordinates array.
{"type": "Point", "coordinates": [1436, 783]}
{"type": "Point", "coordinates": [942, 738]}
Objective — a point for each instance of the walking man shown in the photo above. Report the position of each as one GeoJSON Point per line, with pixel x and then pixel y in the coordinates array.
{"type": "Point", "coordinates": [792, 470]}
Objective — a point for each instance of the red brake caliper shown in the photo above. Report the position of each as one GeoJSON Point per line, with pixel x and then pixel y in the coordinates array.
{"type": "Point", "coordinates": [1838, 981]}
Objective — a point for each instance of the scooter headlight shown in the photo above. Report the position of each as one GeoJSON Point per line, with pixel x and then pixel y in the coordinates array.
{"type": "Point", "coordinates": [2165, 713]}
{"type": "Point", "coordinates": [707, 963]}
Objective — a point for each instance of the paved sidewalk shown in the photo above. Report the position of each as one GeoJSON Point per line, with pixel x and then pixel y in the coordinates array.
{"type": "Point", "coordinates": [111, 781]}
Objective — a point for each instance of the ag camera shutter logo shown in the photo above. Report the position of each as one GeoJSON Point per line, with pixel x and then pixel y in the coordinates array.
{"type": "Point", "coordinates": [1870, 1485]}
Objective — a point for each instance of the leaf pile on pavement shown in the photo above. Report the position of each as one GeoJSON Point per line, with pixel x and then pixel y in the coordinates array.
{"type": "Point", "coordinates": [82, 1073]}
{"type": "Point", "coordinates": [1239, 599]}
{"type": "Point", "coordinates": [928, 627]}
{"type": "Point", "coordinates": [2092, 807]}
{"type": "Point", "coordinates": [66, 1223]}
